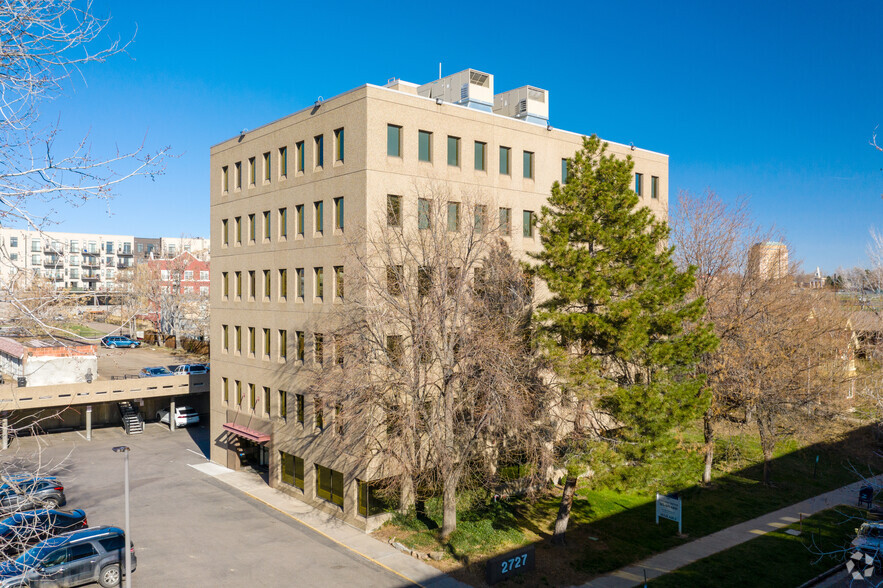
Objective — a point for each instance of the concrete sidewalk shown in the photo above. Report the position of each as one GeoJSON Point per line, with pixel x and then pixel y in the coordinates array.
{"type": "Point", "coordinates": [408, 568]}
{"type": "Point", "coordinates": [667, 561]}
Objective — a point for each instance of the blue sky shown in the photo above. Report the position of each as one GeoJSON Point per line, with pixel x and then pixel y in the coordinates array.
{"type": "Point", "coordinates": [776, 101]}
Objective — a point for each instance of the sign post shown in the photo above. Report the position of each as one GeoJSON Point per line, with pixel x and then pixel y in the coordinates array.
{"type": "Point", "coordinates": [668, 506]}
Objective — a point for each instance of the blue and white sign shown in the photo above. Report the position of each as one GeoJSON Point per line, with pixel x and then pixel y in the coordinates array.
{"type": "Point", "coordinates": [668, 506]}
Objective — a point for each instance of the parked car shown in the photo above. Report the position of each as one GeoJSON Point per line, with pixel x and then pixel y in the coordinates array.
{"type": "Point", "coordinates": [184, 415]}
{"type": "Point", "coordinates": [869, 540]}
{"type": "Point", "coordinates": [152, 372]}
{"type": "Point", "coordinates": [71, 559]}
{"type": "Point", "coordinates": [189, 368]}
{"type": "Point", "coordinates": [31, 494]}
{"type": "Point", "coordinates": [119, 341]}
{"type": "Point", "coordinates": [23, 529]}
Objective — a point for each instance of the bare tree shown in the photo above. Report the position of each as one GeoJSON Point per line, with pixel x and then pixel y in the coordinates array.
{"type": "Point", "coordinates": [434, 328]}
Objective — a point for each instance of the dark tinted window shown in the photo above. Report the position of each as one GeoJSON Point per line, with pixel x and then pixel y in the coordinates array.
{"type": "Point", "coordinates": [55, 558]}
{"type": "Point", "coordinates": [81, 551]}
{"type": "Point", "coordinates": [112, 543]}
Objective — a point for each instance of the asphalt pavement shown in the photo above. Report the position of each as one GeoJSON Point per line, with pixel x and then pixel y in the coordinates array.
{"type": "Point", "coordinates": [191, 529]}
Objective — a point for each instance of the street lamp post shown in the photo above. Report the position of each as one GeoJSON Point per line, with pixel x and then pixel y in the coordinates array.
{"type": "Point", "coordinates": [125, 450]}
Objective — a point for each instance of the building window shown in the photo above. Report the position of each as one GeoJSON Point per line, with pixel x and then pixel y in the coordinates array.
{"type": "Point", "coordinates": [252, 228]}
{"type": "Point", "coordinates": [267, 285]}
{"type": "Point", "coordinates": [224, 180]}
{"type": "Point", "coordinates": [639, 184]}
{"type": "Point", "coordinates": [266, 167]}
{"type": "Point", "coordinates": [394, 349]}
{"type": "Point", "coordinates": [506, 221]}
{"type": "Point", "coordinates": [319, 277]}
{"type": "Point", "coordinates": [528, 165]}
{"type": "Point", "coordinates": [338, 281]}
{"type": "Point", "coordinates": [504, 160]}
{"type": "Point", "coordinates": [319, 216]}
{"type": "Point", "coordinates": [338, 349]}
{"type": "Point", "coordinates": [266, 392]}
{"type": "Point", "coordinates": [424, 145]}
{"type": "Point", "coordinates": [267, 344]}
{"type": "Point", "coordinates": [283, 162]}
{"type": "Point", "coordinates": [393, 210]}
{"type": "Point", "coordinates": [338, 213]}
{"type": "Point", "coordinates": [299, 147]}
{"type": "Point", "coordinates": [238, 172]}
{"type": "Point", "coordinates": [283, 405]}
{"type": "Point", "coordinates": [319, 348]}
{"type": "Point", "coordinates": [454, 151]}
{"type": "Point", "coordinates": [371, 501]}
{"type": "Point", "coordinates": [267, 225]}
{"type": "Point", "coordinates": [252, 284]}
{"type": "Point", "coordinates": [393, 141]}
{"type": "Point", "coordinates": [283, 284]}
{"type": "Point", "coordinates": [239, 284]}
{"type": "Point", "coordinates": [480, 156]}
{"type": "Point", "coordinates": [292, 470]}
{"type": "Point", "coordinates": [238, 332]}
{"type": "Point", "coordinates": [299, 341]}
{"type": "Point", "coordinates": [225, 384]}
{"type": "Point", "coordinates": [453, 216]}
{"type": "Point", "coordinates": [252, 397]}
{"type": "Point", "coordinates": [203, 276]}
{"type": "Point", "coordinates": [225, 284]}
{"type": "Point", "coordinates": [238, 394]}
{"type": "Point", "coordinates": [299, 212]}
{"type": "Point", "coordinates": [283, 223]}
{"type": "Point", "coordinates": [329, 485]}
{"type": "Point", "coordinates": [13, 242]}
{"type": "Point", "coordinates": [338, 418]}
{"type": "Point", "coordinates": [225, 237]}
{"type": "Point", "coordinates": [654, 187]}
{"type": "Point", "coordinates": [319, 145]}
{"type": "Point", "coordinates": [188, 275]}
{"type": "Point", "coordinates": [239, 230]}
{"type": "Point", "coordinates": [529, 221]}
{"type": "Point", "coordinates": [319, 413]}
{"type": "Point", "coordinates": [480, 218]}
{"type": "Point", "coordinates": [423, 213]}
{"type": "Point", "coordinates": [283, 344]}
{"type": "Point", "coordinates": [225, 337]}
{"type": "Point", "coordinates": [564, 171]}
{"type": "Point", "coordinates": [299, 272]}
{"type": "Point", "coordinates": [338, 145]}
{"type": "Point", "coordinates": [299, 406]}
{"type": "Point", "coordinates": [251, 171]}
{"type": "Point", "coordinates": [394, 279]}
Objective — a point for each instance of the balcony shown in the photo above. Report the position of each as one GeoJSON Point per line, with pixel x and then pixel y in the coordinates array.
{"type": "Point", "coordinates": [57, 249]}
{"type": "Point", "coordinates": [122, 264]}
{"type": "Point", "coordinates": [53, 261]}
{"type": "Point", "coordinates": [56, 278]}
{"type": "Point", "coordinates": [91, 277]}
{"type": "Point", "coordinates": [125, 253]}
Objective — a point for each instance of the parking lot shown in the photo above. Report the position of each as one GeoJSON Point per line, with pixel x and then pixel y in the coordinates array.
{"type": "Point", "coordinates": [123, 362]}
{"type": "Point", "coordinates": [188, 528]}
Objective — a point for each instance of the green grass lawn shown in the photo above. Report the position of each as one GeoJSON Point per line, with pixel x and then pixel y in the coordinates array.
{"type": "Point", "coordinates": [610, 529]}
{"type": "Point", "coordinates": [776, 559]}
{"type": "Point", "coordinates": [82, 330]}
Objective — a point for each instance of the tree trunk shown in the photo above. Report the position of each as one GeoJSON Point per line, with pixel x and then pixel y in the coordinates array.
{"type": "Point", "coordinates": [406, 494]}
{"type": "Point", "coordinates": [708, 426]}
{"type": "Point", "coordinates": [564, 511]}
{"type": "Point", "coordinates": [449, 505]}
{"type": "Point", "coordinates": [767, 443]}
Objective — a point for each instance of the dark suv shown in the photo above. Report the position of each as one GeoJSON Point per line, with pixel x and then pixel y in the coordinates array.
{"type": "Point", "coordinates": [22, 530]}
{"type": "Point", "coordinates": [75, 558]}
{"type": "Point", "coordinates": [28, 494]}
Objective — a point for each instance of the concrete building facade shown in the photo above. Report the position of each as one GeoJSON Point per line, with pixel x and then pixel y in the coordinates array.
{"type": "Point", "coordinates": [284, 199]}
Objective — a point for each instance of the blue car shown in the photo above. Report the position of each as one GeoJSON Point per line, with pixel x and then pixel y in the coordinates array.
{"type": "Point", "coordinates": [23, 529]}
{"type": "Point", "coordinates": [153, 372]}
{"type": "Point", "coordinates": [119, 341]}
{"type": "Point", "coordinates": [71, 559]}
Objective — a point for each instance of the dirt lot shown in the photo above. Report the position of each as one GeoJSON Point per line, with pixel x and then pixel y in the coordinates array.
{"type": "Point", "coordinates": [121, 362]}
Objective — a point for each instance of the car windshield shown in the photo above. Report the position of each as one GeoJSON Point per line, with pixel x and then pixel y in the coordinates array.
{"type": "Point", "coordinates": [32, 557]}
{"type": "Point", "coordinates": [190, 412]}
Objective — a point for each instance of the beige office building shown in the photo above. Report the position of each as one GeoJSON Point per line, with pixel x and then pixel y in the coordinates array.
{"type": "Point", "coordinates": [283, 199]}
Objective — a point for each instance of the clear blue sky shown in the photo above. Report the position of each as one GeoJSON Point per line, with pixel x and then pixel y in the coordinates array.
{"type": "Point", "coordinates": [776, 101]}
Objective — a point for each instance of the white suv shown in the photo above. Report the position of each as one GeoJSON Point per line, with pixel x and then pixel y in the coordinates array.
{"type": "Point", "coordinates": [184, 415]}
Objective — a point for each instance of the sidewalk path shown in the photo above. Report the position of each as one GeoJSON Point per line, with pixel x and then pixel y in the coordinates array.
{"type": "Point", "coordinates": [667, 561]}
{"type": "Point", "coordinates": [412, 570]}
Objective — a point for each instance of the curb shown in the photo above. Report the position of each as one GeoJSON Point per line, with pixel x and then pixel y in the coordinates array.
{"type": "Point", "coordinates": [822, 576]}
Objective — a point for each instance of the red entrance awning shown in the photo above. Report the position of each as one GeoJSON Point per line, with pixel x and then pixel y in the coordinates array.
{"type": "Point", "coordinates": [247, 433]}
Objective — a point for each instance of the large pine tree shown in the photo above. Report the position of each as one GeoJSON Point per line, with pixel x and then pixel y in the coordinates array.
{"type": "Point", "coordinates": [617, 324]}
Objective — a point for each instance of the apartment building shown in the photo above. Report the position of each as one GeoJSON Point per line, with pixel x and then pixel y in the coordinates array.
{"type": "Point", "coordinates": [83, 261]}
{"type": "Point", "coordinates": [284, 198]}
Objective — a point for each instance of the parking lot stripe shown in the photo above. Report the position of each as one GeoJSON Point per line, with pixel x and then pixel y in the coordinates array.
{"type": "Point", "coordinates": [314, 529]}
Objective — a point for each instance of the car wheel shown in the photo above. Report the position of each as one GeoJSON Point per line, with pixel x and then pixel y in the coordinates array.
{"type": "Point", "coordinates": [50, 503]}
{"type": "Point", "coordinates": [132, 346]}
{"type": "Point", "coordinates": [109, 576]}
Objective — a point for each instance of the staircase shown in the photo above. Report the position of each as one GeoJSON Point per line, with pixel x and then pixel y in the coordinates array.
{"type": "Point", "coordinates": [132, 421]}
